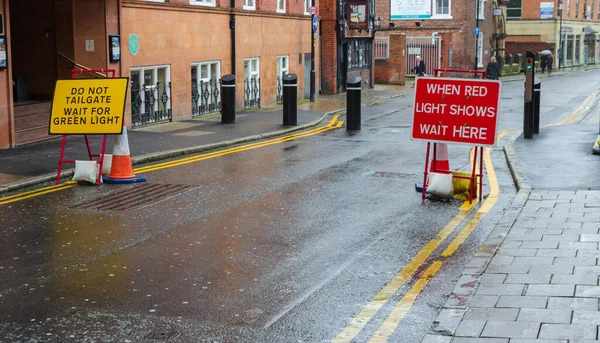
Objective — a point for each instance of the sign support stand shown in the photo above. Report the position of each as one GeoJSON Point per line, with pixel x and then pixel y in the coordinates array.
{"type": "Point", "coordinates": [91, 156]}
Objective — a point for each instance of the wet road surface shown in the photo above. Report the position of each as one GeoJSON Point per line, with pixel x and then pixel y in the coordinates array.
{"type": "Point", "coordinates": [282, 243]}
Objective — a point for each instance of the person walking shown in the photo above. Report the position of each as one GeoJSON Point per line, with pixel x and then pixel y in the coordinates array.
{"type": "Point", "coordinates": [492, 72]}
{"type": "Point", "coordinates": [549, 62]}
{"type": "Point", "coordinates": [543, 62]}
{"type": "Point", "coordinates": [420, 67]}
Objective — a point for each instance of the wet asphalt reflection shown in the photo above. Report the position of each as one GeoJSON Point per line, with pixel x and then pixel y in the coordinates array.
{"type": "Point", "coordinates": [284, 243]}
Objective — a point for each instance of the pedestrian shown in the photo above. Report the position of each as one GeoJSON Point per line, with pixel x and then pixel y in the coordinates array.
{"type": "Point", "coordinates": [419, 68]}
{"type": "Point", "coordinates": [549, 61]}
{"type": "Point", "coordinates": [492, 71]}
{"type": "Point", "coordinates": [544, 62]}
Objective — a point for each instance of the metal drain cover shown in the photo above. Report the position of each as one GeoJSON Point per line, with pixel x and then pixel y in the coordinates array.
{"type": "Point", "coordinates": [393, 175]}
{"type": "Point", "coordinates": [135, 197]}
{"type": "Point", "coordinates": [163, 335]}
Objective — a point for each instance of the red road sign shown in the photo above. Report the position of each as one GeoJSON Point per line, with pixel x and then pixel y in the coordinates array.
{"type": "Point", "coordinates": [312, 10]}
{"type": "Point", "coordinates": [456, 111]}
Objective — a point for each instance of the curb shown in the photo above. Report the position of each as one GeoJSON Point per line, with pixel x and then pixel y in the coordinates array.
{"type": "Point", "coordinates": [447, 321]}
{"type": "Point", "coordinates": [152, 157]}
{"type": "Point", "coordinates": [519, 176]}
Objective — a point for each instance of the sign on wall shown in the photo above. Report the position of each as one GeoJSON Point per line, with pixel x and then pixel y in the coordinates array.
{"type": "Point", "coordinates": [456, 111]}
{"type": "Point", "coordinates": [410, 9]}
{"type": "Point", "coordinates": [88, 106]}
{"type": "Point", "coordinates": [546, 10]}
{"type": "Point", "coordinates": [358, 14]}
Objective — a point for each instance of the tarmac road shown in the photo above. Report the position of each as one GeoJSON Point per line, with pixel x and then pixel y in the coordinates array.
{"type": "Point", "coordinates": [286, 242]}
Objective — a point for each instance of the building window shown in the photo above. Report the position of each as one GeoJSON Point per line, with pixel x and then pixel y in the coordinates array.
{"type": "Point", "coordinates": [280, 6]}
{"type": "Point", "coordinates": [249, 4]}
{"type": "Point", "coordinates": [150, 95]}
{"type": "Point", "coordinates": [441, 9]}
{"type": "Point", "coordinates": [576, 9]}
{"type": "Point", "coordinates": [307, 4]}
{"type": "Point", "coordinates": [577, 49]}
{"type": "Point", "coordinates": [359, 54]}
{"type": "Point", "coordinates": [569, 50]}
{"type": "Point", "coordinates": [203, 2]}
{"type": "Point", "coordinates": [480, 50]}
{"type": "Point", "coordinates": [481, 9]}
{"type": "Point", "coordinates": [251, 82]}
{"type": "Point", "coordinates": [513, 9]}
{"type": "Point", "coordinates": [598, 10]}
{"type": "Point", "coordinates": [283, 67]}
{"type": "Point", "coordinates": [568, 9]}
{"type": "Point", "coordinates": [206, 78]}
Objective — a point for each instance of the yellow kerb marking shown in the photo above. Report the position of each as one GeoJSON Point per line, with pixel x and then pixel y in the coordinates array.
{"type": "Point", "coordinates": [390, 324]}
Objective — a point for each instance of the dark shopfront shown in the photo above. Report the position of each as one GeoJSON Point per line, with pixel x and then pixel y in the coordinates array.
{"type": "Point", "coordinates": [355, 34]}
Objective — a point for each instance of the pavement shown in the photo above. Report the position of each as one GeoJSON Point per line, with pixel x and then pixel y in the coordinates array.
{"type": "Point", "coordinates": [535, 278]}
{"type": "Point", "coordinates": [34, 164]}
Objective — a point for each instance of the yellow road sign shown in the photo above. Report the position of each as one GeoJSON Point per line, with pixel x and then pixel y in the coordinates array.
{"type": "Point", "coordinates": [88, 106]}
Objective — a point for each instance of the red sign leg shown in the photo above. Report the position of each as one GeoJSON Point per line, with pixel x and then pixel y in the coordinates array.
{"type": "Point", "coordinates": [60, 158]}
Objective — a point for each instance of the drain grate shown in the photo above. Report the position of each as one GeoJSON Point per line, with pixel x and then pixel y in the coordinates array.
{"type": "Point", "coordinates": [134, 197]}
{"type": "Point", "coordinates": [393, 175]}
{"type": "Point", "coordinates": [163, 335]}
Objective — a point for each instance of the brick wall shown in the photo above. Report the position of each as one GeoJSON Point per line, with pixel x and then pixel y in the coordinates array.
{"type": "Point", "coordinates": [328, 46]}
{"type": "Point", "coordinates": [522, 47]}
{"type": "Point", "coordinates": [393, 70]}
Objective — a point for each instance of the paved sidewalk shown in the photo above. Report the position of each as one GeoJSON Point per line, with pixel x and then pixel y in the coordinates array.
{"type": "Point", "coordinates": [535, 279]}
{"type": "Point", "coordinates": [36, 163]}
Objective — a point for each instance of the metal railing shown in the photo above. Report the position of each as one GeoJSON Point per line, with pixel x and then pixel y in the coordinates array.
{"type": "Point", "coordinates": [251, 92]}
{"type": "Point", "coordinates": [206, 97]}
{"type": "Point", "coordinates": [151, 104]}
{"type": "Point", "coordinates": [382, 48]}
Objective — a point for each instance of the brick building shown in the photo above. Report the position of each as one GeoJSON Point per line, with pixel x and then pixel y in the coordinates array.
{"type": "Point", "coordinates": [442, 32]}
{"type": "Point", "coordinates": [174, 52]}
{"type": "Point", "coordinates": [536, 25]}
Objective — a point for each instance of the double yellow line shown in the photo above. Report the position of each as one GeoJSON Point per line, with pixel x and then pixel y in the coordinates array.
{"type": "Point", "coordinates": [389, 326]}
{"type": "Point", "coordinates": [333, 124]}
{"type": "Point", "coordinates": [589, 101]}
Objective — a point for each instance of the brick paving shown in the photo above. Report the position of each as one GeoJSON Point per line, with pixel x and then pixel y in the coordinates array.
{"type": "Point", "coordinates": [540, 285]}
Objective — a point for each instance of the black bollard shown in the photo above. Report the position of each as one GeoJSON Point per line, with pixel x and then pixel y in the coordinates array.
{"type": "Point", "coordinates": [353, 88]}
{"type": "Point", "coordinates": [537, 94]}
{"type": "Point", "coordinates": [528, 107]}
{"type": "Point", "coordinates": [290, 102]}
{"type": "Point", "coordinates": [228, 99]}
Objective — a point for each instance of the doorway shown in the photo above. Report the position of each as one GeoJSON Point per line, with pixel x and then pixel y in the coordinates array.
{"type": "Point", "coordinates": [307, 69]}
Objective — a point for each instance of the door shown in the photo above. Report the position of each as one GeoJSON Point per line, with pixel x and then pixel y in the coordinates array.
{"type": "Point", "coordinates": [307, 68]}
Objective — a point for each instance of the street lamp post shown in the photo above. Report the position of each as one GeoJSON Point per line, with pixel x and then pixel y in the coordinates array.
{"type": "Point", "coordinates": [477, 33]}
{"type": "Point", "coordinates": [560, 34]}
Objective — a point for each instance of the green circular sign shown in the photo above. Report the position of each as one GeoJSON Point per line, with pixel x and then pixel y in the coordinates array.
{"type": "Point", "coordinates": [134, 44]}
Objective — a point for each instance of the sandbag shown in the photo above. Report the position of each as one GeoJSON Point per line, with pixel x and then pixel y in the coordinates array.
{"type": "Point", "coordinates": [107, 164]}
{"type": "Point", "coordinates": [440, 185]}
{"type": "Point", "coordinates": [86, 172]}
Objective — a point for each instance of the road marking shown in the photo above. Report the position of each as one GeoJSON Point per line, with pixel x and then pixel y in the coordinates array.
{"type": "Point", "coordinates": [367, 313]}
{"type": "Point", "coordinates": [333, 124]}
{"type": "Point", "coordinates": [391, 323]}
{"type": "Point", "coordinates": [579, 110]}
{"type": "Point", "coordinates": [37, 192]}
{"type": "Point", "coordinates": [404, 305]}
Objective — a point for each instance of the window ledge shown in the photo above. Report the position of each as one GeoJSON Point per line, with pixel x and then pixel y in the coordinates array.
{"type": "Point", "coordinates": [207, 4]}
{"type": "Point", "coordinates": [440, 16]}
{"type": "Point", "coordinates": [280, 11]}
{"type": "Point", "coordinates": [250, 8]}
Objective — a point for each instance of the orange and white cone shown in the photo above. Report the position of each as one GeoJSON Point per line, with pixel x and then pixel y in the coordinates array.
{"type": "Point", "coordinates": [121, 170]}
{"type": "Point", "coordinates": [442, 164]}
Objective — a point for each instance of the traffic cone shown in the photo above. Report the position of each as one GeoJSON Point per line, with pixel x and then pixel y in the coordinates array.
{"type": "Point", "coordinates": [121, 170]}
{"type": "Point", "coordinates": [442, 164]}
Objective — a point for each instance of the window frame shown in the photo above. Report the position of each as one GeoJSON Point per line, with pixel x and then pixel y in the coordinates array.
{"type": "Point", "coordinates": [359, 49]}
{"type": "Point", "coordinates": [280, 10]}
{"type": "Point", "coordinates": [481, 9]}
{"type": "Point", "coordinates": [207, 3]}
{"type": "Point", "coordinates": [520, 8]}
{"type": "Point", "coordinates": [279, 69]}
{"type": "Point", "coordinates": [307, 4]}
{"type": "Point", "coordinates": [248, 7]}
{"type": "Point", "coordinates": [142, 71]}
{"type": "Point", "coordinates": [435, 15]}
{"type": "Point", "coordinates": [198, 72]}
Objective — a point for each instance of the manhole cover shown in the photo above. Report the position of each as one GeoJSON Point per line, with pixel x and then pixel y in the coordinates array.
{"type": "Point", "coordinates": [134, 197]}
{"type": "Point", "coordinates": [163, 335]}
{"type": "Point", "coordinates": [393, 175]}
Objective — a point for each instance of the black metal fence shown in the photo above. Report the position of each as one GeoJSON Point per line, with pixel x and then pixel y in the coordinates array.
{"type": "Point", "coordinates": [151, 104]}
{"type": "Point", "coordinates": [279, 91]}
{"type": "Point", "coordinates": [206, 97]}
{"type": "Point", "coordinates": [251, 92]}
